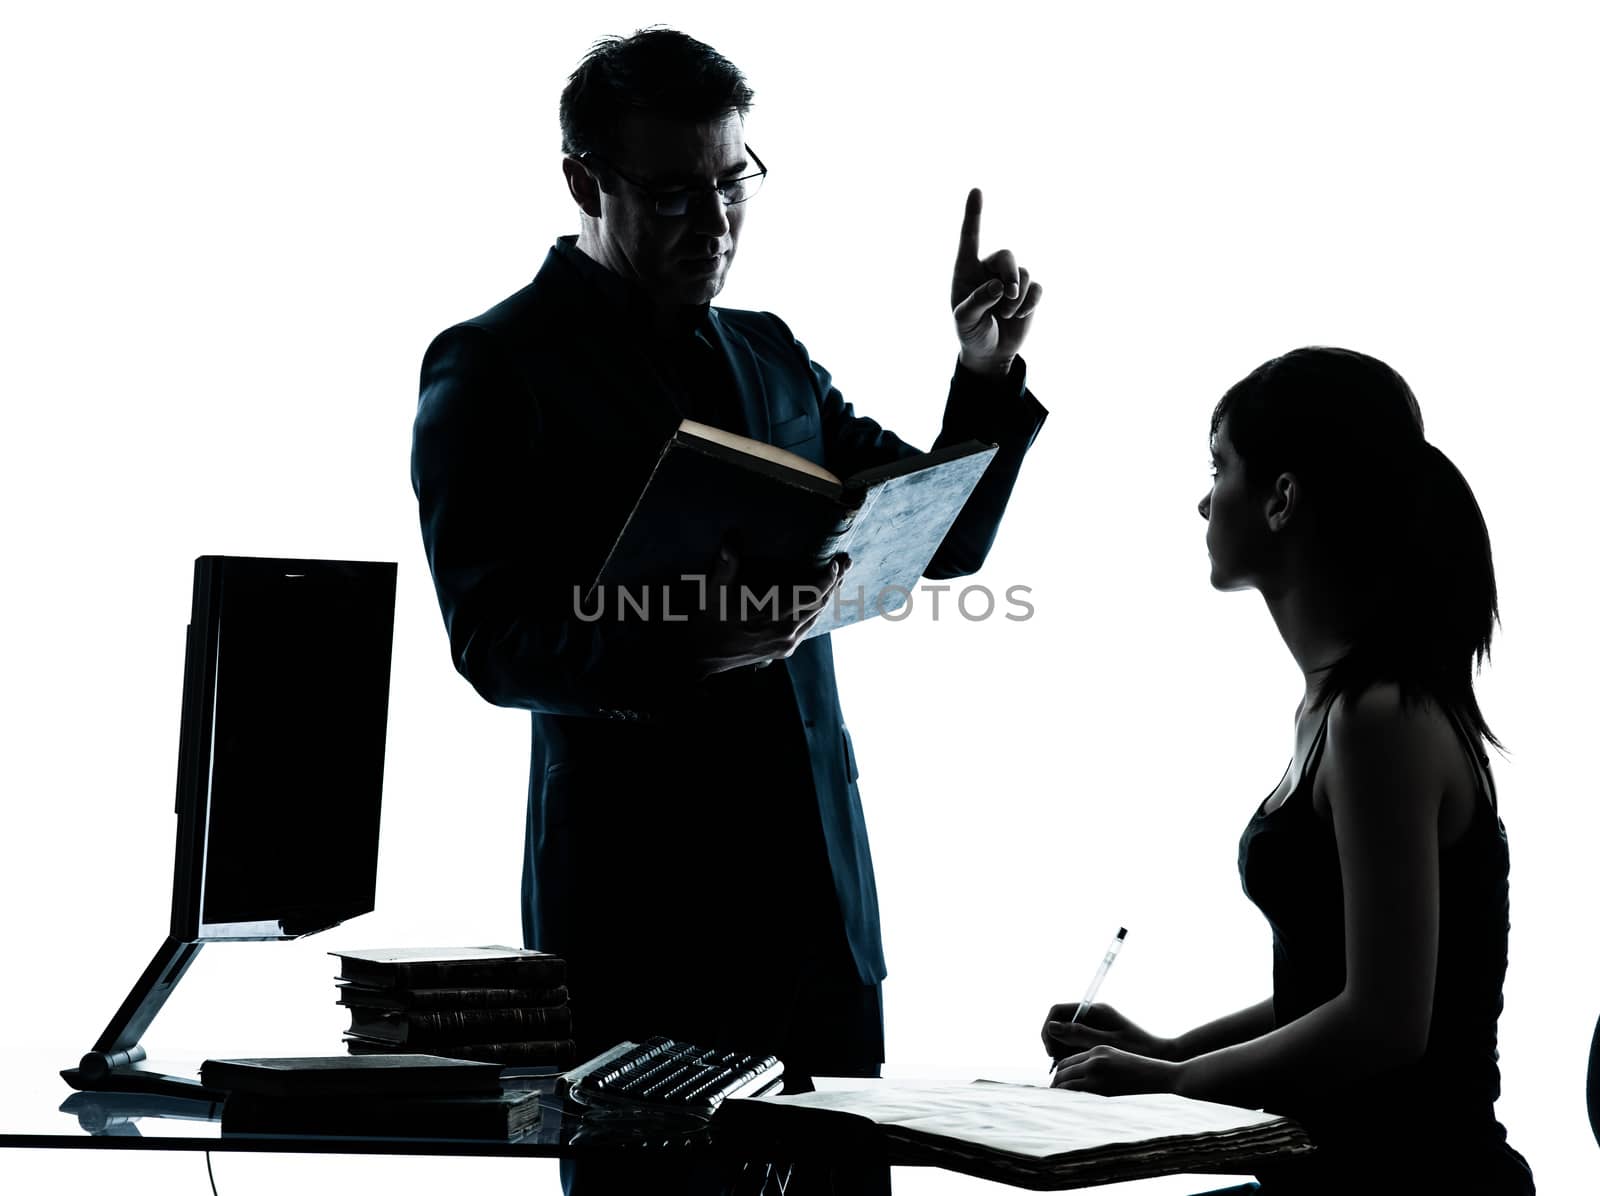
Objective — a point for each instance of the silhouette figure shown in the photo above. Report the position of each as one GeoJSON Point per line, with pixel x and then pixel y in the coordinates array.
{"type": "Point", "coordinates": [695, 841]}
{"type": "Point", "coordinates": [1379, 859]}
{"type": "Point", "coordinates": [1592, 1086]}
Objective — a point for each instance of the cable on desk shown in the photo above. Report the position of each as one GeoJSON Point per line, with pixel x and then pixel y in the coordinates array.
{"type": "Point", "coordinates": [210, 1176]}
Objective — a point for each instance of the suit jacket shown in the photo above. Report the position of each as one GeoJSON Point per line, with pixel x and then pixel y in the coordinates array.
{"type": "Point", "coordinates": [537, 424]}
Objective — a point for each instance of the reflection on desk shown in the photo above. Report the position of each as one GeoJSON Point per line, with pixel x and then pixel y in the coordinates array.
{"type": "Point", "coordinates": [117, 1113]}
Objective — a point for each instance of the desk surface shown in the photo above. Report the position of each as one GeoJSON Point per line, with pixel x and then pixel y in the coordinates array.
{"type": "Point", "coordinates": [39, 1109]}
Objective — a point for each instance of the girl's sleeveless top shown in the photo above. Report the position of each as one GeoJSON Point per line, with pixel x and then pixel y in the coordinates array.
{"type": "Point", "coordinates": [1429, 1125]}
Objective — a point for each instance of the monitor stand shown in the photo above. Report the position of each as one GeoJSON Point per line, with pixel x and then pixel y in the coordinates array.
{"type": "Point", "coordinates": [117, 1063]}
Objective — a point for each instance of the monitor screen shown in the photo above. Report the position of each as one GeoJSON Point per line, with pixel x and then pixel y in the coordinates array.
{"type": "Point", "coordinates": [285, 712]}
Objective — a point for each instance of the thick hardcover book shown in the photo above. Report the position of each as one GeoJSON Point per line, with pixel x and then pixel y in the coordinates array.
{"type": "Point", "coordinates": [788, 517]}
{"type": "Point", "coordinates": [490, 1116]}
{"type": "Point", "coordinates": [461, 1025]}
{"type": "Point", "coordinates": [405, 1000]}
{"type": "Point", "coordinates": [341, 1075]}
{"type": "Point", "coordinates": [539, 1053]}
{"type": "Point", "coordinates": [452, 967]}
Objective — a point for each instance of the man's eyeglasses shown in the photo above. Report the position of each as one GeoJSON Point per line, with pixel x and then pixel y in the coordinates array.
{"type": "Point", "coordinates": [675, 201]}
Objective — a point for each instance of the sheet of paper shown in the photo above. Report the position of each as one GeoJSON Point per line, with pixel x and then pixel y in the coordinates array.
{"type": "Point", "coordinates": [1035, 1122]}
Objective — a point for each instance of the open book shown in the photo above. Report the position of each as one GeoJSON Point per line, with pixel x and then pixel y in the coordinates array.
{"type": "Point", "coordinates": [1034, 1137]}
{"type": "Point", "coordinates": [787, 517]}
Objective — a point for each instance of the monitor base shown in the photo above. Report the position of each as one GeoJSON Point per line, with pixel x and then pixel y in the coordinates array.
{"type": "Point", "coordinates": [135, 1076]}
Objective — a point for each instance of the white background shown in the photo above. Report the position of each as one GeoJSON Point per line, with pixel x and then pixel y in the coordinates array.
{"type": "Point", "coordinates": [230, 232]}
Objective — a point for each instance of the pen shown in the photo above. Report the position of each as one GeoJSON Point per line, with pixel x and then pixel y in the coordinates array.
{"type": "Point", "coordinates": [1105, 966]}
{"type": "Point", "coordinates": [1094, 985]}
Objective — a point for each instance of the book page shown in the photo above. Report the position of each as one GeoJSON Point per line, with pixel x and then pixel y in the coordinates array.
{"type": "Point", "coordinates": [1031, 1121]}
{"type": "Point", "coordinates": [756, 448]}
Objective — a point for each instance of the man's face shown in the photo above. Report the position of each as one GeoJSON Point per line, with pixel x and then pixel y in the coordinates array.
{"type": "Point", "coordinates": [677, 259]}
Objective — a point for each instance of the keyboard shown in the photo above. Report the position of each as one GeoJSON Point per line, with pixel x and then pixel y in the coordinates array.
{"type": "Point", "coordinates": [669, 1076]}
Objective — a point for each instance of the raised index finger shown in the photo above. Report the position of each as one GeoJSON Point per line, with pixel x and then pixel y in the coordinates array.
{"type": "Point", "coordinates": [968, 249]}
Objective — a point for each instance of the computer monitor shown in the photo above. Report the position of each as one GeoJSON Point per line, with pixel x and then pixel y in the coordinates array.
{"type": "Point", "coordinates": [280, 774]}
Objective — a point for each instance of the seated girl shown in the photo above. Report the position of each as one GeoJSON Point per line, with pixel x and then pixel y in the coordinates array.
{"type": "Point", "coordinates": [1379, 859]}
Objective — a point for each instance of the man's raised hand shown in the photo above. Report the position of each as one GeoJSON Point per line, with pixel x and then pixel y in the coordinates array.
{"type": "Point", "coordinates": [992, 297]}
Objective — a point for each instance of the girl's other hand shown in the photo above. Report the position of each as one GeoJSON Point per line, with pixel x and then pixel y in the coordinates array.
{"type": "Point", "coordinates": [1110, 1072]}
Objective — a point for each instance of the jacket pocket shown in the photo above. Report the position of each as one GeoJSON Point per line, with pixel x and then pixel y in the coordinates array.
{"type": "Point", "coordinates": [796, 430]}
{"type": "Point", "coordinates": [850, 769]}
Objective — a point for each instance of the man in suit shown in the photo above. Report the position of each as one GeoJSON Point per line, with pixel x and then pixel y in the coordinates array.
{"type": "Point", "coordinates": [695, 841]}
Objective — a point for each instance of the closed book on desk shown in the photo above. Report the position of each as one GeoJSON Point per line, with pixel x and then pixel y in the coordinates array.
{"type": "Point", "coordinates": [452, 967]}
{"type": "Point", "coordinates": [788, 517]}
{"type": "Point", "coordinates": [342, 1075]}
{"type": "Point", "coordinates": [1045, 1139]}
{"type": "Point", "coordinates": [461, 1025]}
{"type": "Point", "coordinates": [495, 1116]}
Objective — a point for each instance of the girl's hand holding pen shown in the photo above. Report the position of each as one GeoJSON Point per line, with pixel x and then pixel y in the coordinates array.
{"type": "Point", "coordinates": [1100, 1025]}
{"type": "Point", "coordinates": [1093, 1048]}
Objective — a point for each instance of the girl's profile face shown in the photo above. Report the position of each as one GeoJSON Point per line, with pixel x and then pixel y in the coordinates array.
{"type": "Point", "coordinates": [1236, 528]}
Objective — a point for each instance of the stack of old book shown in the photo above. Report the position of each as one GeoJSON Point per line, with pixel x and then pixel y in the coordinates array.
{"type": "Point", "coordinates": [495, 1004]}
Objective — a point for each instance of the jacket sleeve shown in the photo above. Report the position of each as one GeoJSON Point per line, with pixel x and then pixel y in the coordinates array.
{"type": "Point", "coordinates": [504, 548]}
{"type": "Point", "coordinates": [1000, 411]}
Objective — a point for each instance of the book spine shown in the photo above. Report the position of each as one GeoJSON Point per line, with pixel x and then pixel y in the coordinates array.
{"type": "Point", "coordinates": [558, 1052]}
{"type": "Point", "coordinates": [485, 998]}
{"type": "Point", "coordinates": [460, 1025]}
{"type": "Point", "coordinates": [449, 1021]}
{"type": "Point", "coordinates": [428, 999]}
{"type": "Point", "coordinates": [516, 973]}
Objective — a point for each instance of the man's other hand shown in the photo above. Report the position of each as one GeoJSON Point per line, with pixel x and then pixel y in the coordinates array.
{"type": "Point", "coordinates": [992, 297]}
{"type": "Point", "coordinates": [727, 639]}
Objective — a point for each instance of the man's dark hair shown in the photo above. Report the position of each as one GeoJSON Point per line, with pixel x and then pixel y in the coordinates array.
{"type": "Point", "coordinates": [656, 70]}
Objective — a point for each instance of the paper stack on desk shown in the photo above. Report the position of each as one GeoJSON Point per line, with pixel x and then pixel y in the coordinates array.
{"type": "Point", "coordinates": [1050, 1138]}
{"type": "Point", "coordinates": [498, 1004]}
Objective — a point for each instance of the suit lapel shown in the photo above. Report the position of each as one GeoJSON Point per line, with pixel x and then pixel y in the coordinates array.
{"type": "Point", "coordinates": [747, 380]}
{"type": "Point", "coordinates": [620, 392]}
